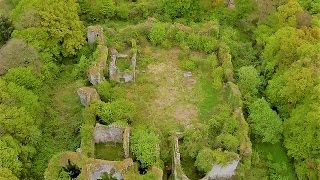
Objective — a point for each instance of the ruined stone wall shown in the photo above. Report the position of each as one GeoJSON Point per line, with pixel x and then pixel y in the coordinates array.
{"type": "Point", "coordinates": [126, 142]}
{"type": "Point", "coordinates": [176, 164]}
{"type": "Point", "coordinates": [219, 171]}
{"type": "Point", "coordinates": [87, 95]}
{"type": "Point", "coordinates": [104, 134]}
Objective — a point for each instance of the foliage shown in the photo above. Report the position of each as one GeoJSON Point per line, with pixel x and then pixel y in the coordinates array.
{"type": "Point", "coordinates": [58, 28]}
{"type": "Point", "coordinates": [207, 157]}
{"type": "Point", "coordinates": [17, 53]}
{"type": "Point", "coordinates": [266, 125]}
{"type": "Point", "coordinates": [6, 173]}
{"type": "Point", "coordinates": [143, 144]}
{"type": "Point", "coordinates": [158, 33]}
{"type": "Point", "coordinates": [6, 28]}
{"type": "Point", "coordinates": [195, 139]}
{"type": "Point", "coordinates": [248, 82]}
{"type": "Point", "coordinates": [105, 91]}
{"type": "Point", "coordinates": [24, 76]}
{"type": "Point", "coordinates": [97, 9]}
{"type": "Point", "coordinates": [9, 158]}
{"type": "Point", "coordinates": [117, 110]}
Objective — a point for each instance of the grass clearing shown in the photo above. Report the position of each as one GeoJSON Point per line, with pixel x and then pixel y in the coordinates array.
{"type": "Point", "coordinates": [109, 151]}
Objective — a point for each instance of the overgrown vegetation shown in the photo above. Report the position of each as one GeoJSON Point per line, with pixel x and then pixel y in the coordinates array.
{"type": "Point", "coordinates": [250, 66]}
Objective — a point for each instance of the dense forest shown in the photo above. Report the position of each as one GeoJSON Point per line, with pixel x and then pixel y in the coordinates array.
{"type": "Point", "coordinates": [235, 80]}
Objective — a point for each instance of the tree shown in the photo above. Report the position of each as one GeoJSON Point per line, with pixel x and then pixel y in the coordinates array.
{"type": "Point", "coordinates": [98, 9]}
{"type": "Point", "coordinates": [9, 158]}
{"type": "Point", "coordinates": [19, 124]}
{"type": "Point", "coordinates": [143, 144]}
{"type": "Point", "coordinates": [24, 76]}
{"type": "Point", "coordinates": [6, 174]}
{"type": "Point", "coordinates": [59, 25]}
{"type": "Point", "coordinates": [265, 124]}
{"type": "Point", "coordinates": [287, 89]}
{"type": "Point", "coordinates": [17, 53]}
{"type": "Point", "coordinates": [60, 19]}
{"type": "Point", "coordinates": [6, 28]}
{"type": "Point", "coordinates": [301, 137]}
{"type": "Point", "coordinates": [248, 82]}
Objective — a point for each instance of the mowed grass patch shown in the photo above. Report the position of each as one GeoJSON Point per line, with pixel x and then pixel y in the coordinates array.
{"type": "Point", "coordinates": [109, 151]}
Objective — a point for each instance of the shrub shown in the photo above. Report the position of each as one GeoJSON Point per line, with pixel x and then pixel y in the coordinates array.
{"type": "Point", "coordinates": [17, 53]}
{"type": "Point", "coordinates": [117, 110]}
{"type": "Point", "coordinates": [227, 142]}
{"type": "Point", "coordinates": [122, 11]}
{"type": "Point", "coordinates": [81, 68]}
{"type": "Point", "coordinates": [207, 157]}
{"type": "Point", "coordinates": [143, 145]}
{"type": "Point", "coordinates": [104, 90]}
{"type": "Point", "coordinates": [158, 33]}
{"type": "Point", "coordinates": [265, 123]}
{"type": "Point", "coordinates": [6, 28]}
{"type": "Point", "coordinates": [248, 82]}
{"type": "Point", "coordinates": [23, 76]}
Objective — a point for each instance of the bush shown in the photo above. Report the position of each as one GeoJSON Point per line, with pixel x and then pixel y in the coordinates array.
{"type": "Point", "coordinates": [227, 142]}
{"type": "Point", "coordinates": [158, 33]}
{"type": "Point", "coordinates": [17, 53]}
{"type": "Point", "coordinates": [6, 28]}
{"type": "Point", "coordinates": [143, 145]}
{"type": "Point", "coordinates": [104, 90]}
{"type": "Point", "coordinates": [265, 123]}
{"type": "Point", "coordinates": [24, 76]}
{"type": "Point", "coordinates": [207, 157]}
{"type": "Point", "coordinates": [122, 11]}
{"type": "Point", "coordinates": [117, 110]}
{"type": "Point", "coordinates": [248, 82]}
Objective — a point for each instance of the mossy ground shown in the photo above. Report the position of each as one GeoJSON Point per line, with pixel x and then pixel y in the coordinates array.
{"type": "Point", "coordinates": [109, 151]}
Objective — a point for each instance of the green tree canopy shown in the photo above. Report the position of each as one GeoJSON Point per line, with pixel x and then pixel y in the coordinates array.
{"type": "Point", "coordinates": [248, 82]}
{"type": "Point", "coordinates": [265, 124]}
{"type": "Point", "coordinates": [143, 144]}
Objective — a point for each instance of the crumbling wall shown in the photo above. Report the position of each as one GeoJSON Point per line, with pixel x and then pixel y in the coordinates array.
{"type": "Point", "coordinates": [104, 134]}
{"type": "Point", "coordinates": [95, 168]}
{"type": "Point", "coordinates": [128, 75]}
{"type": "Point", "coordinates": [95, 34]}
{"type": "Point", "coordinates": [219, 171]}
{"type": "Point", "coordinates": [87, 94]}
{"type": "Point", "coordinates": [126, 142]}
{"type": "Point", "coordinates": [97, 71]}
{"type": "Point", "coordinates": [176, 164]}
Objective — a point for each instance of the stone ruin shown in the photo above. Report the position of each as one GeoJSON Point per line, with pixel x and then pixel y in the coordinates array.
{"type": "Point", "coordinates": [114, 72]}
{"type": "Point", "coordinates": [177, 169]}
{"type": "Point", "coordinates": [114, 168]}
{"type": "Point", "coordinates": [222, 171]}
{"type": "Point", "coordinates": [113, 133]}
{"type": "Point", "coordinates": [217, 171]}
{"type": "Point", "coordinates": [97, 71]}
{"type": "Point", "coordinates": [88, 94]}
{"type": "Point", "coordinates": [95, 34]}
